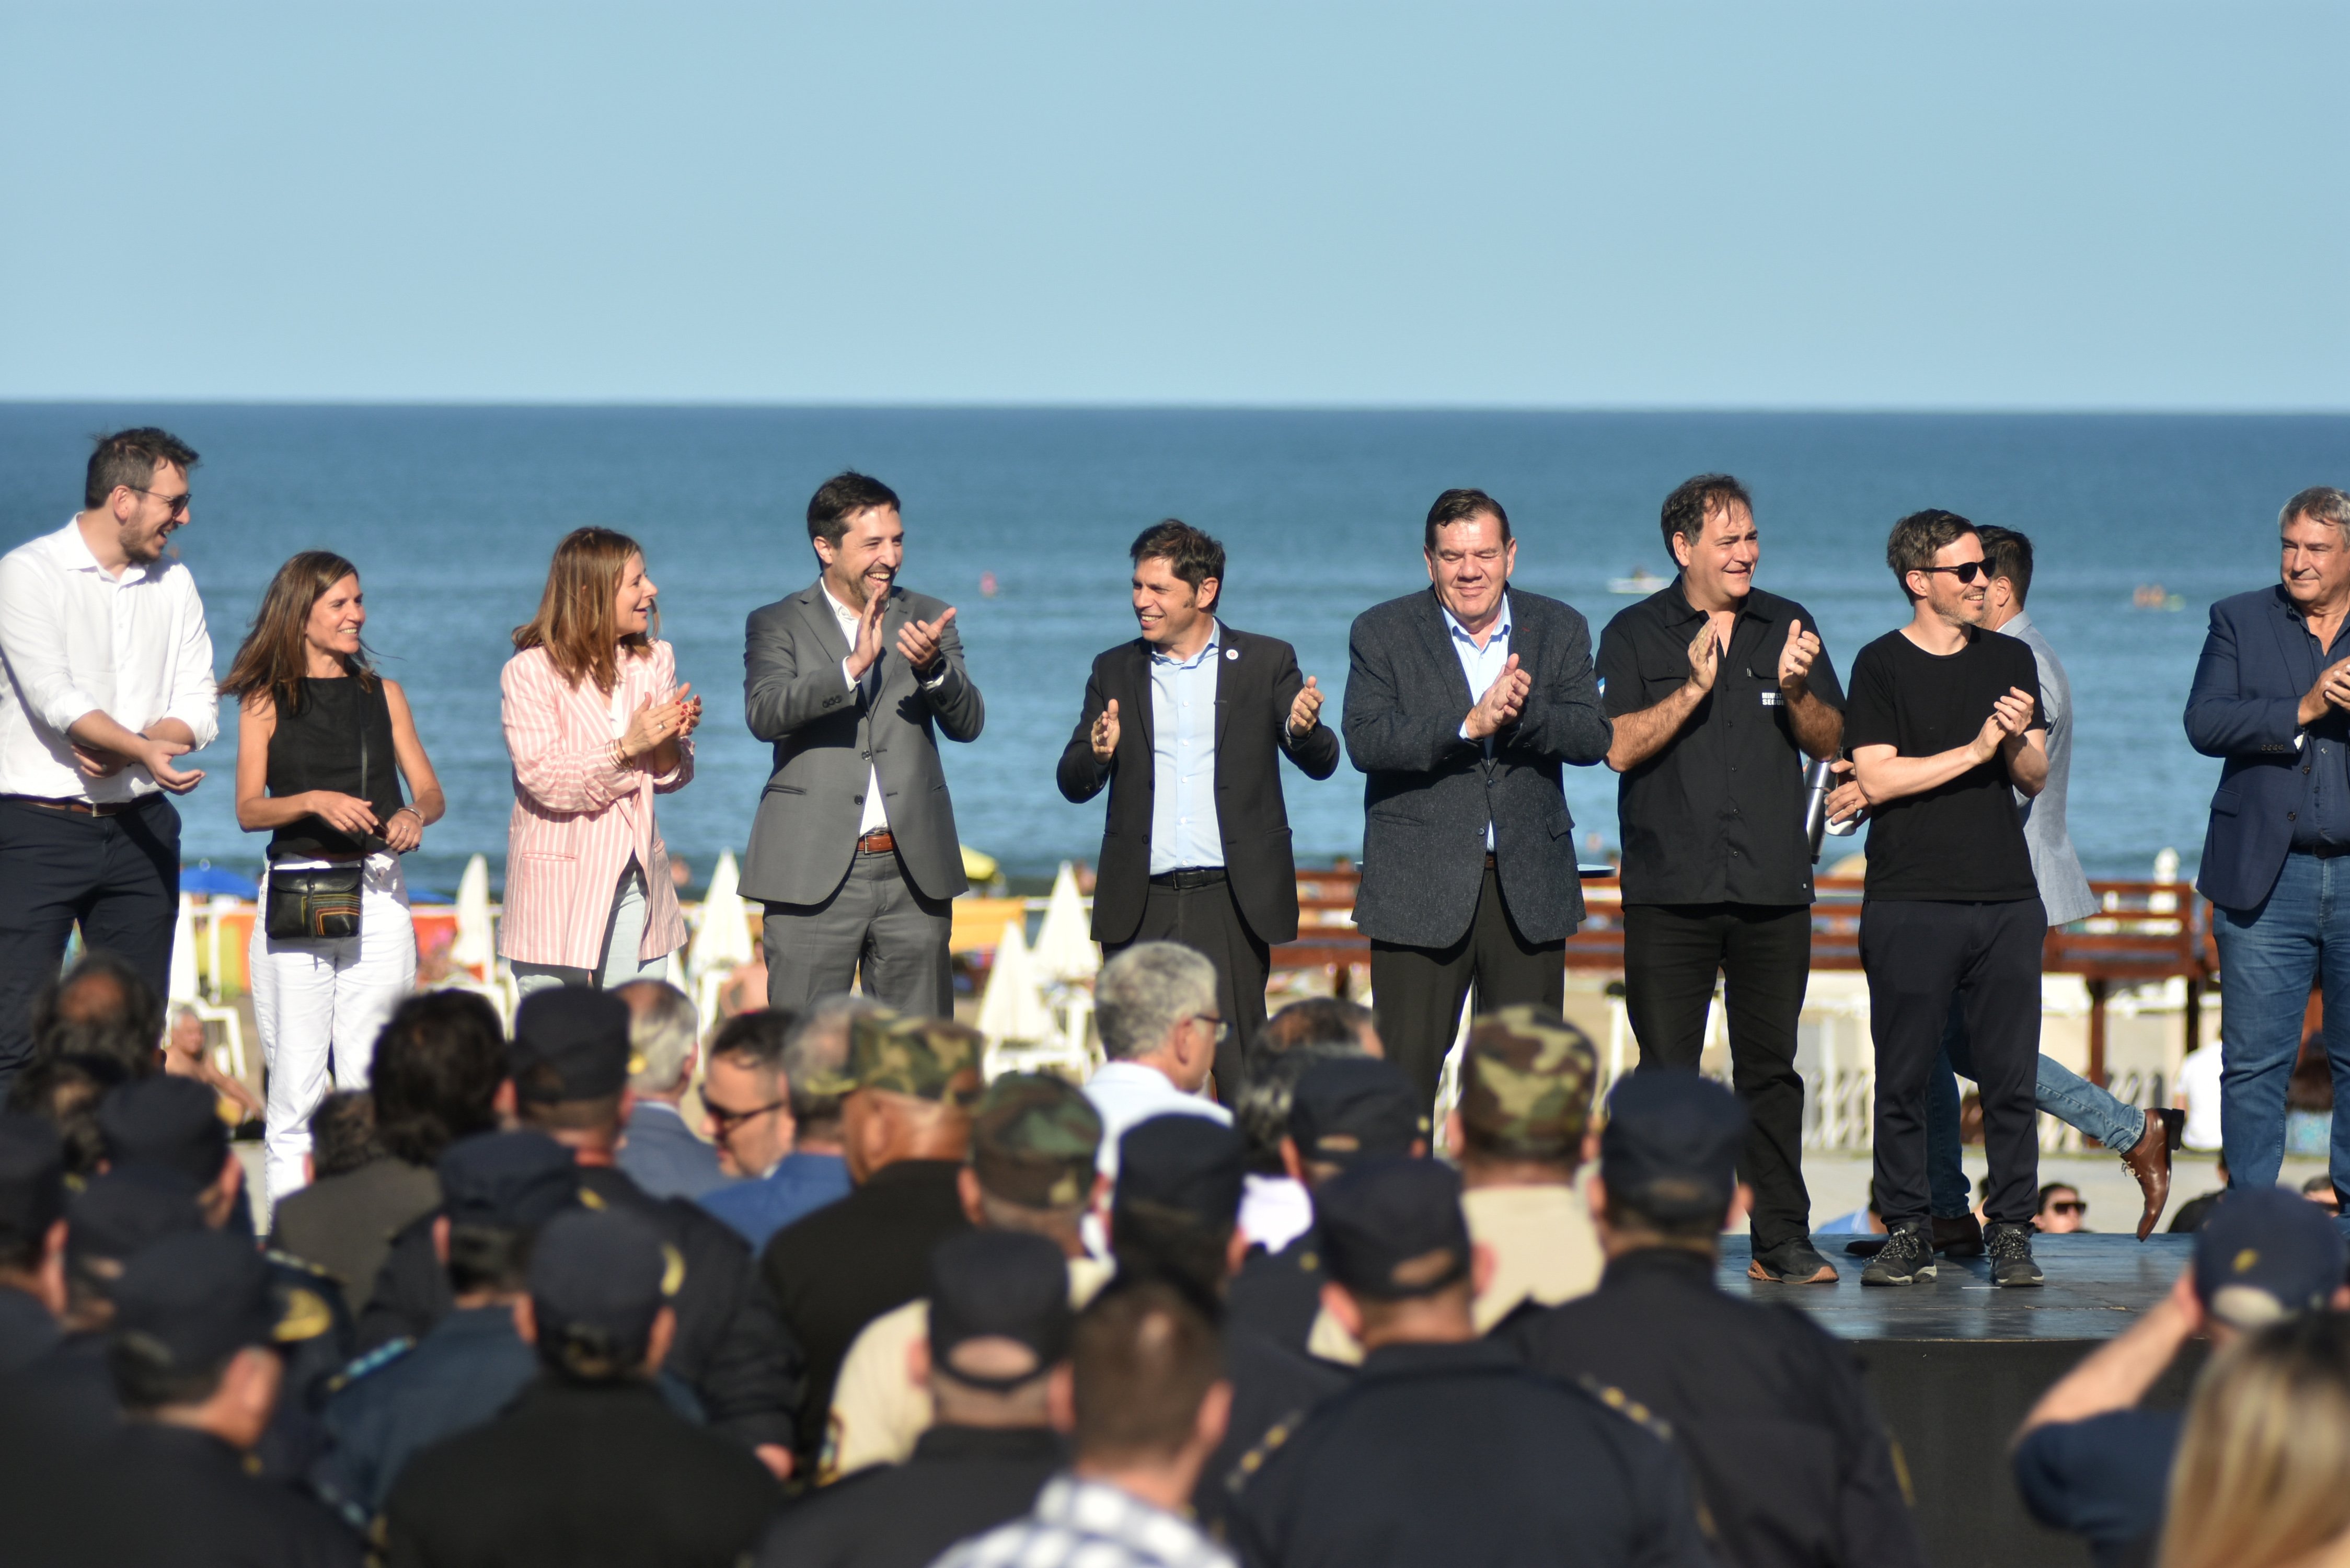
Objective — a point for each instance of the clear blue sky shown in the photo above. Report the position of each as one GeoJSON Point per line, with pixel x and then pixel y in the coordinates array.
{"type": "Point", "coordinates": [1821, 205]}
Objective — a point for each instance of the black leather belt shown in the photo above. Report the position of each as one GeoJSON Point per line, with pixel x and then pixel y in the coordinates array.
{"type": "Point", "coordinates": [76, 807]}
{"type": "Point", "coordinates": [1190, 877]}
{"type": "Point", "coordinates": [2325, 851]}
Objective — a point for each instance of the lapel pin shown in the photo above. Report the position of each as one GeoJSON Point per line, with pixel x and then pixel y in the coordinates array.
{"type": "Point", "coordinates": [1232, 653]}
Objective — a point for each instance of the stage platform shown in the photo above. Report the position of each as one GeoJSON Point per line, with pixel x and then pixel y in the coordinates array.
{"type": "Point", "coordinates": [1955, 1365]}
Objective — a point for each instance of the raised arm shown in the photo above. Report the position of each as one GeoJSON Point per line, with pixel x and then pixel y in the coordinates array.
{"type": "Point", "coordinates": [1381, 736]}
{"type": "Point", "coordinates": [782, 692]}
{"type": "Point", "coordinates": [2011, 734]}
{"type": "Point", "coordinates": [1315, 752]}
{"type": "Point", "coordinates": [953, 698]}
{"type": "Point", "coordinates": [1082, 774]}
{"type": "Point", "coordinates": [2222, 721]}
{"type": "Point", "coordinates": [1643, 732]}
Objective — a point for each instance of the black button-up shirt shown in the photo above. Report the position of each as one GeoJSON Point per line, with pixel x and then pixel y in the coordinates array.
{"type": "Point", "coordinates": [1717, 816]}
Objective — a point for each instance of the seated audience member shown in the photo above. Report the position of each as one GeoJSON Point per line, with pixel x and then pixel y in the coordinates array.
{"type": "Point", "coordinates": [2257, 1482]}
{"type": "Point", "coordinates": [184, 1056]}
{"type": "Point", "coordinates": [1518, 1131]}
{"type": "Point", "coordinates": [907, 1090]}
{"type": "Point", "coordinates": [1342, 1111]}
{"type": "Point", "coordinates": [659, 1152]}
{"type": "Point", "coordinates": [1033, 1138]}
{"type": "Point", "coordinates": [1274, 1209]}
{"type": "Point", "coordinates": [1144, 1400]}
{"type": "Point", "coordinates": [32, 1239]}
{"type": "Point", "coordinates": [1321, 1020]}
{"type": "Point", "coordinates": [1173, 1218]}
{"type": "Point", "coordinates": [434, 1080]}
{"type": "Point", "coordinates": [2063, 1211]}
{"type": "Point", "coordinates": [591, 1464]}
{"type": "Point", "coordinates": [2087, 1460]}
{"type": "Point", "coordinates": [193, 1357]}
{"type": "Point", "coordinates": [1445, 1449]}
{"type": "Point", "coordinates": [498, 1188]}
{"type": "Point", "coordinates": [1768, 1409]}
{"type": "Point", "coordinates": [996, 1323]}
{"type": "Point", "coordinates": [101, 1006]}
{"type": "Point", "coordinates": [65, 1091]}
{"type": "Point", "coordinates": [772, 1126]}
{"type": "Point", "coordinates": [2319, 1189]}
{"type": "Point", "coordinates": [2193, 1213]}
{"type": "Point", "coordinates": [1155, 1004]}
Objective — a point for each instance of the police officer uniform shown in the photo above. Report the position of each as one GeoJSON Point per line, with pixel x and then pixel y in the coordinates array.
{"type": "Point", "coordinates": [32, 1200]}
{"type": "Point", "coordinates": [1768, 1408]}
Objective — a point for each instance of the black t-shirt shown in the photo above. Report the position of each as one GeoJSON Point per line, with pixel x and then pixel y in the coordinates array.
{"type": "Point", "coordinates": [1961, 842]}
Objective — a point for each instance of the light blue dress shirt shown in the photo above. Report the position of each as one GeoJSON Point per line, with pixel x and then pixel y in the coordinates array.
{"type": "Point", "coordinates": [1483, 666]}
{"type": "Point", "coordinates": [1184, 833]}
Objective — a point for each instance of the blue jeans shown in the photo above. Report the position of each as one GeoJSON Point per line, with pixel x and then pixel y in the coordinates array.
{"type": "Point", "coordinates": [2268, 957]}
{"type": "Point", "coordinates": [2058, 1090]}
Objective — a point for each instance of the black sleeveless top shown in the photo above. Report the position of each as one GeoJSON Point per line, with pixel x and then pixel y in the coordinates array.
{"type": "Point", "coordinates": [335, 730]}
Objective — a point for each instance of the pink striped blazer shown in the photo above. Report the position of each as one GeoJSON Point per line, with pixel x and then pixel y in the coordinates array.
{"type": "Point", "coordinates": [576, 819]}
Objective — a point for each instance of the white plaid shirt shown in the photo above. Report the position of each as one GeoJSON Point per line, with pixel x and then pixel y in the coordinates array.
{"type": "Point", "coordinates": [1090, 1525]}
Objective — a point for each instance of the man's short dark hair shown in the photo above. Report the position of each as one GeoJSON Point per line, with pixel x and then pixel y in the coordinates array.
{"type": "Point", "coordinates": [1694, 500]}
{"type": "Point", "coordinates": [488, 1258]}
{"type": "Point", "coordinates": [130, 457]}
{"type": "Point", "coordinates": [1460, 507]}
{"type": "Point", "coordinates": [1145, 1357]}
{"type": "Point", "coordinates": [1191, 555]}
{"type": "Point", "coordinates": [2049, 1191]}
{"type": "Point", "coordinates": [841, 497]}
{"type": "Point", "coordinates": [1315, 1021]}
{"type": "Point", "coordinates": [342, 1133]}
{"type": "Point", "coordinates": [2007, 554]}
{"type": "Point", "coordinates": [1261, 1109]}
{"type": "Point", "coordinates": [144, 1384]}
{"type": "Point", "coordinates": [1918, 538]}
{"type": "Point", "coordinates": [65, 1091]}
{"type": "Point", "coordinates": [438, 1064]}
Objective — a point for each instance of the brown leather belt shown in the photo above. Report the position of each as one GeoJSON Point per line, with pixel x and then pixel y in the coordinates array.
{"type": "Point", "coordinates": [1492, 864]}
{"type": "Point", "coordinates": [75, 807]}
{"type": "Point", "coordinates": [876, 842]}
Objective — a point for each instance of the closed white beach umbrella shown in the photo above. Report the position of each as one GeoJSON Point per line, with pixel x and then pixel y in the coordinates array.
{"type": "Point", "coordinates": [724, 938]}
{"type": "Point", "coordinates": [475, 946]}
{"type": "Point", "coordinates": [1065, 948]}
{"type": "Point", "coordinates": [184, 953]}
{"type": "Point", "coordinates": [1014, 1007]}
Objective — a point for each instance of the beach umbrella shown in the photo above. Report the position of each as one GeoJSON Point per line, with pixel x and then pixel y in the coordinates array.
{"type": "Point", "coordinates": [208, 881]}
{"type": "Point", "coordinates": [724, 938]}
{"type": "Point", "coordinates": [1065, 949]}
{"type": "Point", "coordinates": [475, 946]}
{"type": "Point", "coordinates": [183, 987]}
{"type": "Point", "coordinates": [1013, 1006]}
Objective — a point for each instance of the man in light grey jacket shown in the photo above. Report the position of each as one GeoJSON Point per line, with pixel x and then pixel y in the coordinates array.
{"type": "Point", "coordinates": [854, 849]}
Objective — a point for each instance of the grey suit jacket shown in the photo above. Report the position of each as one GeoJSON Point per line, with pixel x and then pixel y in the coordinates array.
{"type": "Point", "coordinates": [660, 1153]}
{"type": "Point", "coordinates": [2063, 889]}
{"type": "Point", "coordinates": [829, 737]}
{"type": "Point", "coordinates": [1427, 794]}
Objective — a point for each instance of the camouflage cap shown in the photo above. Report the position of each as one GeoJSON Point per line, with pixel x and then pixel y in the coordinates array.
{"type": "Point", "coordinates": [1034, 1140]}
{"type": "Point", "coordinates": [1525, 1085]}
{"type": "Point", "coordinates": [926, 1058]}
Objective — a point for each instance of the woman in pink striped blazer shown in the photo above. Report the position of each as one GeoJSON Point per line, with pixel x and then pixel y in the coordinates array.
{"type": "Point", "coordinates": [596, 725]}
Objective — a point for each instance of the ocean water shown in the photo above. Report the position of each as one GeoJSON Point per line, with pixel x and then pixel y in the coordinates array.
{"type": "Point", "coordinates": [450, 514]}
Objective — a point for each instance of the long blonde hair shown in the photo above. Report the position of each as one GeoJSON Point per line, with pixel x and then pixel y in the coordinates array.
{"type": "Point", "coordinates": [575, 621]}
{"type": "Point", "coordinates": [2263, 1477]}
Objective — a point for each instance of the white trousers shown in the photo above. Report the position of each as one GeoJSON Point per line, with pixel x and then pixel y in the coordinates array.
{"type": "Point", "coordinates": [624, 932]}
{"type": "Point", "coordinates": [320, 1004]}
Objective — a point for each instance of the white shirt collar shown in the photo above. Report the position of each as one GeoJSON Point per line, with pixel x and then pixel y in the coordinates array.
{"type": "Point", "coordinates": [1500, 622]}
{"type": "Point", "coordinates": [80, 558]}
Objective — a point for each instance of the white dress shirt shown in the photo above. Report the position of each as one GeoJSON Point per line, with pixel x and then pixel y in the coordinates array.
{"type": "Point", "coordinates": [877, 811]}
{"type": "Point", "coordinates": [77, 640]}
{"type": "Point", "coordinates": [1483, 666]}
{"type": "Point", "coordinates": [1127, 1093]}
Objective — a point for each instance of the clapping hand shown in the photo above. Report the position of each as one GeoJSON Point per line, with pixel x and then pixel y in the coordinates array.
{"type": "Point", "coordinates": [689, 711]}
{"type": "Point", "coordinates": [1305, 711]}
{"type": "Point", "coordinates": [917, 641]}
{"type": "Point", "coordinates": [868, 636]}
{"type": "Point", "coordinates": [1795, 658]}
{"type": "Point", "coordinates": [1503, 701]}
{"type": "Point", "coordinates": [1704, 658]}
{"type": "Point", "coordinates": [2010, 717]}
{"type": "Point", "coordinates": [1105, 733]}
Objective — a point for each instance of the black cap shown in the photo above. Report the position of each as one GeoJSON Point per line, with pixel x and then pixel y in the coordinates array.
{"type": "Point", "coordinates": [514, 1181]}
{"type": "Point", "coordinates": [1353, 1107]}
{"type": "Point", "coordinates": [2264, 1254]}
{"type": "Point", "coordinates": [999, 1284]}
{"type": "Point", "coordinates": [122, 1211]}
{"type": "Point", "coordinates": [570, 1043]}
{"type": "Point", "coordinates": [32, 1175]}
{"type": "Point", "coordinates": [189, 1302]}
{"type": "Point", "coordinates": [165, 1121]}
{"type": "Point", "coordinates": [1671, 1144]}
{"type": "Point", "coordinates": [1392, 1227]}
{"type": "Point", "coordinates": [597, 1279]}
{"type": "Point", "coordinates": [1182, 1164]}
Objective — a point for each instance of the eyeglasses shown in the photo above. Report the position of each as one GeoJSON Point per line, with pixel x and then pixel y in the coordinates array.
{"type": "Point", "coordinates": [177, 503]}
{"type": "Point", "coordinates": [1965, 571]}
{"type": "Point", "coordinates": [728, 1121]}
{"type": "Point", "coordinates": [1223, 1030]}
{"type": "Point", "coordinates": [2071, 1206]}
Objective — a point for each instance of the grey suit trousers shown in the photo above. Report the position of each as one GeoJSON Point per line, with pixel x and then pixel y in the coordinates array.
{"type": "Point", "coordinates": [877, 925]}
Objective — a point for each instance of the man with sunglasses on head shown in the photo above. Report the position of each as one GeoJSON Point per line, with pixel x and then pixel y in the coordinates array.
{"type": "Point", "coordinates": [1945, 730]}
{"type": "Point", "coordinates": [108, 684]}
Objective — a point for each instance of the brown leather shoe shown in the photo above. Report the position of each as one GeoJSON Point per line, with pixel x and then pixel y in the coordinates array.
{"type": "Point", "coordinates": [2149, 1159]}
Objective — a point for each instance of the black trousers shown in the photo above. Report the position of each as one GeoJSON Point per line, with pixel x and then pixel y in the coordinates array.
{"type": "Point", "coordinates": [1416, 993]}
{"type": "Point", "coordinates": [1921, 957]}
{"type": "Point", "coordinates": [117, 877]}
{"type": "Point", "coordinates": [1206, 919]}
{"type": "Point", "coordinates": [1764, 954]}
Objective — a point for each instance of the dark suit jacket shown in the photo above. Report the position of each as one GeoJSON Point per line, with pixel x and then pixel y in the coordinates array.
{"type": "Point", "coordinates": [2257, 661]}
{"type": "Point", "coordinates": [1427, 794]}
{"type": "Point", "coordinates": [828, 739]}
{"type": "Point", "coordinates": [345, 1223]}
{"type": "Point", "coordinates": [1253, 693]}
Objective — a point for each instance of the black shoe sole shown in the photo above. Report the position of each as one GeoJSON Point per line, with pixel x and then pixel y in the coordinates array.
{"type": "Point", "coordinates": [1923, 1275]}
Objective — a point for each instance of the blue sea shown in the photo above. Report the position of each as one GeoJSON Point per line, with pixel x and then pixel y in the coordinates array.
{"type": "Point", "coordinates": [450, 514]}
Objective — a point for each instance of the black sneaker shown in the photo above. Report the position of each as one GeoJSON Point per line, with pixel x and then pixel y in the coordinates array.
{"type": "Point", "coordinates": [1867, 1247]}
{"type": "Point", "coordinates": [1907, 1257]}
{"type": "Point", "coordinates": [2009, 1247]}
{"type": "Point", "coordinates": [1792, 1263]}
{"type": "Point", "coordinates": [1959, 1238]}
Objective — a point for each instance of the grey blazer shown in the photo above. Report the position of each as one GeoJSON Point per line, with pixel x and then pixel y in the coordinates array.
{"type": "Point", "coordinates": [2063, 889]}
{"type": "Point", "coordinates": [1427, 794]}
{"type": "Point", "coordinates": [828, 737]}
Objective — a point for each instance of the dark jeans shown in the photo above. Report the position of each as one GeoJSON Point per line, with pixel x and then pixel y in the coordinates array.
{"type": "Point", "coordinates": [1921, 959]}
{"type": "Point", "coordinates": [1206, 919]}
{"type": "Point", "coordinates": [117, 877]}
{"type": "Point", "coordinates": [1764, 954]}
{"type": "Point", "coordinates": [1416, 993]}
{"type": "Point", "coordinates": [2056, 1089]}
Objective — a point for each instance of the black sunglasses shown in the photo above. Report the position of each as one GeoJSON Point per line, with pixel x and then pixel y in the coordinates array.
{"type": "Point", "coordinates": [177, 503]}
{"type": "Point", "coordinates": [2063, 1207]}
{"type": "Point", "coordinates": [729, 1120]}
{"type": "Point", "coordinates": [1965, 571]}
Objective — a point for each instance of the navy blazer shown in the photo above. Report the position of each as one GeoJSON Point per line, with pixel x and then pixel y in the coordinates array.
{"type": "Point", "coordinates": [2244, 707]}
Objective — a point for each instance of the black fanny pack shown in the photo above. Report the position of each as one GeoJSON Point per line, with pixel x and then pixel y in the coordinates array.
{"type": "Point", "coordinates": [316, 904]}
